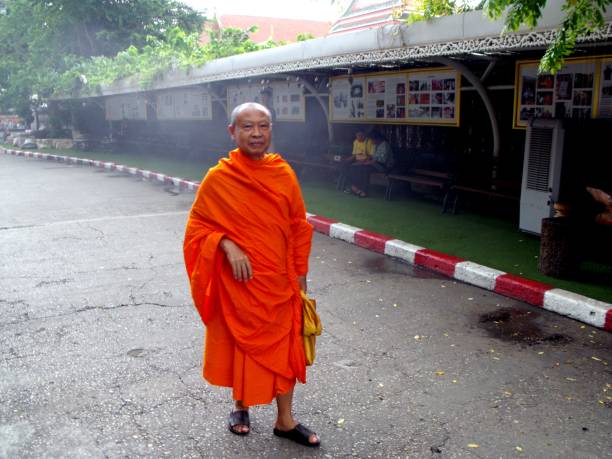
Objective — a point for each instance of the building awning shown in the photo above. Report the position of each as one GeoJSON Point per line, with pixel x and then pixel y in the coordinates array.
{"type": "Point", "coordinates": [457, 35]}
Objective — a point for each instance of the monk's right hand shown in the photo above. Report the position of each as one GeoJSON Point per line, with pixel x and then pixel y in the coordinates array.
{"type": "Point", "coordinates": [241, 266]}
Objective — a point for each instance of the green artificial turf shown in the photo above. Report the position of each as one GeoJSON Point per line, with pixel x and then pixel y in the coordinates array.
{"type": "Point", "coordinates": [491, 241]}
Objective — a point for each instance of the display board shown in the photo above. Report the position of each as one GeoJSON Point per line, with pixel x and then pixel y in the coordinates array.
{"type": "Point", "coordinates": [347, 99]}
{"type": "Point", "coordinates": [604, 105]}
{"type": "Point", "coordinates": [433, 96]}
{"type": "Point", "coordinates": [578, 90]}
{"type": "Point", "coordinates": [286, 99]}
{"type": "Point", "coordinates": [428, 96]}
{"type": "Point", "coordinates": [184, 104]}
{"type": "Point", "coordinates": [289, 102]}
{"type": "Point", "coordinates": [237, 95]}
{"type": "Point", "coordinates": [125, 107]}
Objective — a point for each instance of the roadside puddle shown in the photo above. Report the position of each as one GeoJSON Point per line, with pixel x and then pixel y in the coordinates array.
{"type": "Point", "coordinates": [518, 325]}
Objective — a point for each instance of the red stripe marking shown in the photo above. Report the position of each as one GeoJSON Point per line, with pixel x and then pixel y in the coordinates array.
{"type": "Point", "coordinates": [371, 241]}
{"type": "Point", "coordinates": [522, 289]}
{"type": "Point", "coordinates": [437, 261]}
{"type": "Point", "coordinates": [608, 322]}
{"type": "Point", "coordinates": [321, 224]}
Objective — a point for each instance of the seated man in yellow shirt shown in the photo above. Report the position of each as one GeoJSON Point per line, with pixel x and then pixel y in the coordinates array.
{"type": "Point", "coordinates": [361, 154]}
{"type": "Point", "coordinates": [362, 147]}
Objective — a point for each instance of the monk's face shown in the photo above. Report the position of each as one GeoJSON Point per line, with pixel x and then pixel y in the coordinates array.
{"type": "Point", "coordinates": [252, 132]}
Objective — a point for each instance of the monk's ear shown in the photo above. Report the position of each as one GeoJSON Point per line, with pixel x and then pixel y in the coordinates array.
{"type": "Point", "coordinates": [231, 129]}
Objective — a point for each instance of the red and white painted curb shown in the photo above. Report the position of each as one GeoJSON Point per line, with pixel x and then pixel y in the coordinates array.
{"type": "Point", "coordinates": [109, 166]}
{"type": "Point", "coordinates": [578, 307]}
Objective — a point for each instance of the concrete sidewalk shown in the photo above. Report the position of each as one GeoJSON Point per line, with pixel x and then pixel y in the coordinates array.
{"type": "Point", "coordinates": [101, 347]}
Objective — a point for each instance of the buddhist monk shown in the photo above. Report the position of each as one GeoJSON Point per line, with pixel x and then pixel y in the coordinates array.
{"type": "Point", "coordinates": [246, 251]}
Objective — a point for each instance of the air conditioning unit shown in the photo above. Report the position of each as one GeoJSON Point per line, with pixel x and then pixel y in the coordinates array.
{"type": "Point", "coordinates": [541, 173]}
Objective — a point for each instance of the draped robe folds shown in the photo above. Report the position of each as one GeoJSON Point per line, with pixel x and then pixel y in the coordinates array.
{"type": "Point", "coordinates": [254, 342]}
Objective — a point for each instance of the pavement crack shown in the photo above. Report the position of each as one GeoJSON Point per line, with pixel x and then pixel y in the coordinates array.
{"type": "Point", "coordinates": [91, 308]}
{"type": "Point", "coordinates": [4, 228]}
{"type": "Point", "coordinates": [53, 282]}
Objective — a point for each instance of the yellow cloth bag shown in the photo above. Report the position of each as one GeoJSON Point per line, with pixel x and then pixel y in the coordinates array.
{"type": "Point", "coordinates": [312, 327]}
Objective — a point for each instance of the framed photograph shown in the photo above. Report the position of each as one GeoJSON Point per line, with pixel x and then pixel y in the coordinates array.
{"type": "Point", "coordinates": [433, 94]}
{"type": "Point", "coordinates": [397, 97]}
{"type": "Point", "coordinates": [125, 107]}
{"type": "Point", "coordinates": [347, 99]}
{"type": "Point", "coordinates": [567, 94]}
{"type": "Point", "coordinates": [184, 104]}
{"type": "Point", "coordinates": [604, 96]}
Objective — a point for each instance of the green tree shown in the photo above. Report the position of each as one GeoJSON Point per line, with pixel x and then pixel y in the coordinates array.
{"type": "Point", "coordinates": [429, 9]}
{"type": "Point", "coordinates": [41, 40]}
{"type": "Point", "coordinates": [304, 36]}
{"type": "Point", "coordinates": [582, 17]}
{"type": "Point", "coordinates": [230, 41]}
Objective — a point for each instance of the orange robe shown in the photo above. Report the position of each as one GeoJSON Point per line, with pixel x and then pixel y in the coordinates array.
{"type": "Point", "coordinates": [253, 329]}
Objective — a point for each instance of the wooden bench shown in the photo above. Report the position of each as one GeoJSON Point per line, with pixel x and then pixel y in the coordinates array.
{"type": "Point", "coordinates": [497, 189]}
{"type": "Point", "coordinates": [434, 179]}
{"type": "Point", "coordinates": [299, 164]}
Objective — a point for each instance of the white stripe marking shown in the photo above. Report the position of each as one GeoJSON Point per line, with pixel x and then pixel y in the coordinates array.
{"type": "Point", "coordinates": [402, 250]}
{"type": "Point", "coordinates": [343, 232]}
{"type": "Point", "coordinates": [576, 306]}
{"type": "Point", "coordinates": [475, 274]}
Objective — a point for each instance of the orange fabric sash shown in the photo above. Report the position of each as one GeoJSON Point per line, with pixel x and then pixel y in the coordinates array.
{"type": "Point", "coordinates": [258, 205]}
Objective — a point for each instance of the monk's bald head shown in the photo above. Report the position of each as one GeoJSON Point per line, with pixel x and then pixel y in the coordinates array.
{"type": "Point", "coordinates": [251, 129]}
{"type": "Point", "coordinates": [248, 106]}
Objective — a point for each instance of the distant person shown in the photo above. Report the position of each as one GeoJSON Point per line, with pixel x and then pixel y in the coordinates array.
{"type": "Point", "coordinates": [381, 160]}
{"type": "Point", "coordinates": [362, 152]}
{"type": "Point", "coordinates": [246, 251]}
{"type": "Point", "coordinates": [382, 156]}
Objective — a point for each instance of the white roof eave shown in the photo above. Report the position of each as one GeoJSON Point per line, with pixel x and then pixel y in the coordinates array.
{"type": "Point", "coordinates": [445, 36]}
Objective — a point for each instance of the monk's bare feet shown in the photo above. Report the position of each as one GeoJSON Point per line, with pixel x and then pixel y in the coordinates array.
{"type": "Point", "coordinates": [291, 429]}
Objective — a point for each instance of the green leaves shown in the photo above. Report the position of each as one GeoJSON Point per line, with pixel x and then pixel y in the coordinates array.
{"type": "Point", "coordinates": [429, 9]}
{"type": "Point", "coordinates": [582, 17]}
{"type": "Point", "coordinates": [65, 45]}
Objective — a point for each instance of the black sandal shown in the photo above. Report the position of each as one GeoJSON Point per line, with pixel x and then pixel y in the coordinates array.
{"type": "Point", "coordinates": [239, 418]}
{"type": "Point", "coordinates": [299, 434]}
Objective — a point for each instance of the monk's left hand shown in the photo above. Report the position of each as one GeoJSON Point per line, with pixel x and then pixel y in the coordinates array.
{"type": "Point", "coordinates": [303, 283]}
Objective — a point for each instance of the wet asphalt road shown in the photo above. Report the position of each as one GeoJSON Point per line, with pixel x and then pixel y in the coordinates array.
{"type": "Point", "coordinates": [100, 347]}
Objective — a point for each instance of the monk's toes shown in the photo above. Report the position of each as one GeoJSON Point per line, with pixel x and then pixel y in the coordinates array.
{"type": "Point", "coordinates": [239, 422]}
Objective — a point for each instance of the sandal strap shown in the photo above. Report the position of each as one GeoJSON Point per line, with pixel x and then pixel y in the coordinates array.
{"type": "Point", "coordinates": [305, 431]}
{"type": "Point", "coordinates": [240, 418]}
